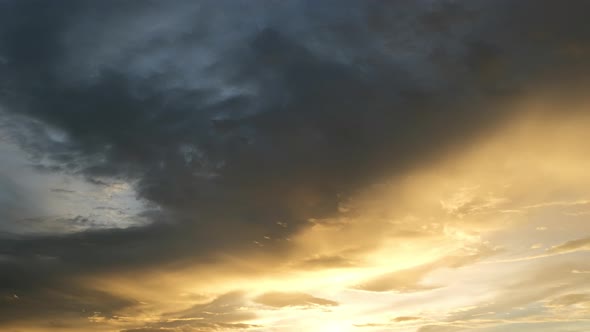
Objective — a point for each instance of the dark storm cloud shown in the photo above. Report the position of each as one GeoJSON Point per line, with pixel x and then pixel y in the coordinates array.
{"type": "Point", "coordinates": [232, 116]}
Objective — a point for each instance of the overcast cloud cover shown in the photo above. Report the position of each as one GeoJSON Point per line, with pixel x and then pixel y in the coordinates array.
{"type": "Point", "coordinates": [147, 137]}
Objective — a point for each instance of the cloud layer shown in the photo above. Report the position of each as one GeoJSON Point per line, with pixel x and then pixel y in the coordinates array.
{"type": "Point", "coordinates": [243, 143]}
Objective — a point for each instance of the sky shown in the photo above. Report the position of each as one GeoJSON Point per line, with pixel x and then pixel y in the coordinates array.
{"type": "Point", "coordinates": [312, 165]}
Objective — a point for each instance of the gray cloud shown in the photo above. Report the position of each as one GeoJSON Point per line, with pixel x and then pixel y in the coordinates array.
{"type": "Point", "coordinates": [57, 302]}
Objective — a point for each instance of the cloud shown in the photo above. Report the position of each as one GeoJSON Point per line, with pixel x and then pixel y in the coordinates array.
{"type": "Point", "coordinates": [226, 132]}
{"type": "Point", "coordinates": [228, 118]}
{"type": "Point", "coordinates": [571, 246]}
{"type": "Point", "coordinates": [281, 299]}
{"type": "Point", "coordinates": [405, 318]}
{"type": "Point", "coordinates": [569, 299]}
{"type": "Point", "coordinates": [401, 281]}
{"type": "Point", "coordinates": [394, 322]}
{"type": "Point", "coordinates": [56, 302]}
{"type": "Point", "coordinates": [327, 262]}
{"type": "Point", "coordinates": [438, 328]}
{"type": "Point", "coordinates": [524, 300]}
{"type": "Point", "coordinates": [410, 280]}
{"type": "Point", "coordinates": [224, 312]}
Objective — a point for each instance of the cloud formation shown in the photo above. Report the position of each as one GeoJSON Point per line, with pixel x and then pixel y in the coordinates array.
{"type": "Point", "coordinates": [571, 246]}
{"type": "Point", "coordinates": [238, 145]}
